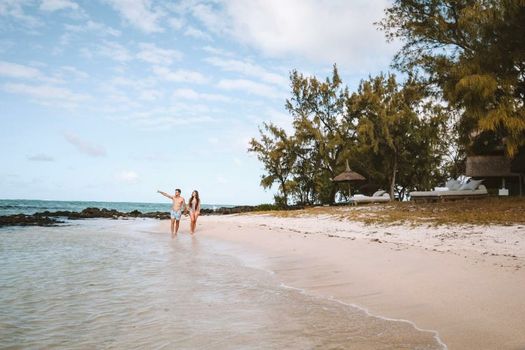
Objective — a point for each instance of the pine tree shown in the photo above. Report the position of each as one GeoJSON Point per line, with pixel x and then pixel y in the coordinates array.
{"type": "Point", "coordinates": [473, 53]}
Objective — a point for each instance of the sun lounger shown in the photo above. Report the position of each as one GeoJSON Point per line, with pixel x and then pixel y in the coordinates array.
{"type": "Point", "coordinates": [378, 197]}
{"type": "Point", "coordinates": [480, 192]}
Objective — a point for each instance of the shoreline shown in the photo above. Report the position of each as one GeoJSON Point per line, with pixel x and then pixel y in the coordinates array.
{"type": "Point", "coordinates": [435, 333]}
{"type": "Point", "coordinates": [471, 295]}
{"type": "Point", "coordinates": [55, 218]}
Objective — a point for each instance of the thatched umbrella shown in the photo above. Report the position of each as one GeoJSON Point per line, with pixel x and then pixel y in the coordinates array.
{"type": "Point", "coordinates": [348, 176]}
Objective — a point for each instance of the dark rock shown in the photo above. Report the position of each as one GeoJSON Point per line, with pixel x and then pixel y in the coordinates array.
{"type": "Point", "coordinates": [28, 220]}
{"type": "Point", "coordinates": [156, 215]}
{"type": "Point", "coordinates": [135, 213]}
{"type": "Point", "coordinates": [47, 218]}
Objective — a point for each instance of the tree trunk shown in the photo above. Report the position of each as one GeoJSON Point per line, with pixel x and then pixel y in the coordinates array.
{"type": "Point", "coordinates": [393, 182]}
{"type": "Point", "coordinates": [284, 191]}
{"type": "Point", "coordinates": [285, 197]}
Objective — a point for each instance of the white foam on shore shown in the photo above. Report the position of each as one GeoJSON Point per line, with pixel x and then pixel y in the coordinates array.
{"type": "Point", "coordinates": [248, 260]}
{"type": "Point", "coordinates": [303, 291]}
{"type": "Point", "coordinates": [368, 313]}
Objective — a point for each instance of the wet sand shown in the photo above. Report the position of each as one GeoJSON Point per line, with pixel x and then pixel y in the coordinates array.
{"type": "Point", "coordinates": [466, 283]}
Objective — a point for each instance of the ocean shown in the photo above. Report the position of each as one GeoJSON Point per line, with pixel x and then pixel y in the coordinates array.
{"type": "Point", "coordinates": [123, 284]}
{"type": "Point", "coordinates": [26, 206]}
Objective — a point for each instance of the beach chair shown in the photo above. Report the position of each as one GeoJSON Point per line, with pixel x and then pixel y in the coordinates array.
{"type": "Point", "coordinates": [378, 197]}
{"type": "Point", "coordinates": [453, 191]}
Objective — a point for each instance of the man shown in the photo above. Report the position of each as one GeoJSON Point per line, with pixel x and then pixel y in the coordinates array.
{"type": "Point", "coordinates": [176, 210]}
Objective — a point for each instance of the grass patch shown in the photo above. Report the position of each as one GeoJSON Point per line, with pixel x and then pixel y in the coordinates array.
{"type": "Point", "coordinates": [486, 211]}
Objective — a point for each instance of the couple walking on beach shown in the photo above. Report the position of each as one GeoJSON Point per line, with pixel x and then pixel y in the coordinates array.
{"type": "Point", "coordinates": [179, 206]}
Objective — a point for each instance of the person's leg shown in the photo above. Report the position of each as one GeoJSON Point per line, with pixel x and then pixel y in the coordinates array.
{"type": "Point", "coordinates": [172, 226]}
{"type": "Point", "coordinates": [192, 220]}
{"type": "Point", "coordinates": [177, 226]}
{"type": "Point", "coordinates": [195, 222]}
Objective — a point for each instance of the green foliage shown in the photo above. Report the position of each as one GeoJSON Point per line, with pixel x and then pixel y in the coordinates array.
{"type": "Point", "coordinates": [275, 151]}
{"type": "Point", "coordinates": [473, 54]}
{"type": "Point", "coordinates": [392, 134]}
{"type": "Point", "coordinates": [266, 207]}
{"type": "Point", "coordinates": [323, 134]}
{"type": "Point", "coordinates": [401, 131]}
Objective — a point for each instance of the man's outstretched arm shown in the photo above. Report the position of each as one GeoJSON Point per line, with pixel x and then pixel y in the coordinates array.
{"type": "Point", "coordinates": [165, 194]}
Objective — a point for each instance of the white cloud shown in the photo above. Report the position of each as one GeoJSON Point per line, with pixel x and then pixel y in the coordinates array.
{"type": "Point", "coordinates": [208, 15]}
{"type": "Point", "coordinates": [138, 13]}
{"type": "Point", "coordinates": [15, 9]}
{"type": "Point", "coordinates": [169, 122]}
{"type": "Point", "coordinates": [164, 118]}
{"type": "Point", "coordinates": [150, 94]}
{"type": "Point", "coordinates": [114, 51]}
{"type": "Point", "coordinates": [55, 5]}
{"type": "Point", "coordinates": [86, 53]}
{"type": "Point", "coordinates": [40, 157]}
{"type": "Point", "coordinates": [180, 75]}
{"type": "Point", "coordinates": [74, 72]}
{"type": "Point", "coordinates": [125, 81]}
{"type": "Point", "coordinates": [84, 146]}
{"type": "Point", "coordinates": [125, 93]}
{"type": "Point", "coordinates": [92, 26]}
{"type": "Point", "coordinates": [190, 94]}
{"type": "Point", "coordinates": [20, 71]}
{"type": "Point", "coordinates": [118, 101]}
{"type": "Point", "coordinates": [217, 51]}
{"type": "Point", "coordinates": [323, 31]}
{"type": "Point", "coordinates": [197, 34]}
{"type": "Point", "coordinates": [250, 87]}
{"type": "Point", "coordinates": [176, 23]}
{"type": "Point", "coordinates": [248, 69]}
{"type": "Point", "coordinates": [14, 70]}
{"type": "Point", "coordinates": [127, 176]}
{"type": "Point", "coordinates": [151, 53]}
{"type": "Point", "coordinates": [278, 117]}
{"type": "Point", "coordinates": [47, 94]}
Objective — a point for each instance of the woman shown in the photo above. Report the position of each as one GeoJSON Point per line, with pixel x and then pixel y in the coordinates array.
{"type": "Point", "coordinates": [195, 210]}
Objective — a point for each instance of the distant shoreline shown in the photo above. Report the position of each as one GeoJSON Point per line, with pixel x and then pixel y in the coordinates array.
{"type": "Point", "coordinates": [54, 218]}
{"type": "Point", "coordinates": [31, 206]}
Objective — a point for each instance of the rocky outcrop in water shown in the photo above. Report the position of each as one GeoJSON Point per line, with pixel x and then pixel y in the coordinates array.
{"type": "Point", "coordinates": [91, 213]}
{"type": "Point", "coordinates": [48, 218]}
{"type": "Point", "coordinates": [28, 220]}
{"type": "Point", "coordinates": [52, 218]}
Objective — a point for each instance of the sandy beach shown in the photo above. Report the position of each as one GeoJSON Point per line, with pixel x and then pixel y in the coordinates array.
{"type": "Point", "coordinates": [467, 283]}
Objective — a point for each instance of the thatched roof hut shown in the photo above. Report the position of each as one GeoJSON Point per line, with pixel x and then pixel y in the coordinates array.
{"type": "Point", "coordinates": [517, 165]}
{"type": "Point", "coordinates": [489, 166]}
{"type": "Point", "coordinates": [496, 169]}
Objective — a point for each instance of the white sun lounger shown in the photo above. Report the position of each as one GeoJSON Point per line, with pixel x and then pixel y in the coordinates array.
{"type": "Point", "coordinates": [480, 192]}
{"type": "Point", "coordinates": [377, 197]}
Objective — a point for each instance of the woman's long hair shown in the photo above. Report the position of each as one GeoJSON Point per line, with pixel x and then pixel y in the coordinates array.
{"type": "Point", "coordinates": [196, 197]}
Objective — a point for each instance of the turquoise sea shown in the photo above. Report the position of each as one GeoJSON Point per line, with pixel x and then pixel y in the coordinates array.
{"type": "Point", "coordinates": [125, 284]}
{"type": "Point", "coordinates": [30, 206]}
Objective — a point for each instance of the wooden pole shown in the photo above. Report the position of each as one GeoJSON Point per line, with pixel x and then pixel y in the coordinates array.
{"type": "Point", "coordinates": [521, 185]}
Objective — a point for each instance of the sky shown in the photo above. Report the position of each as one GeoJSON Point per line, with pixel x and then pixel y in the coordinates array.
{"type": "Point", "coordinates": [110, 100]}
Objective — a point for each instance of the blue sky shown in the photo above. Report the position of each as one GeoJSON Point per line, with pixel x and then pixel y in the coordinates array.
{"type": "Point", "coordinates": [113, 99]}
